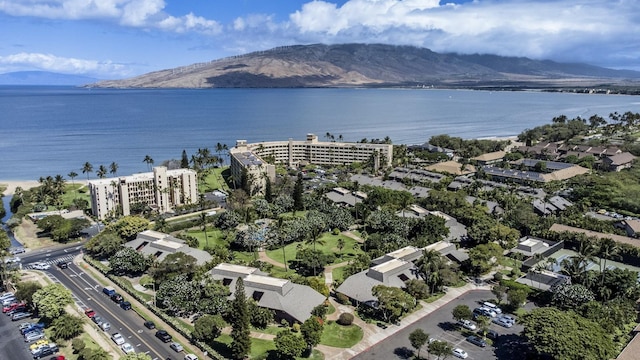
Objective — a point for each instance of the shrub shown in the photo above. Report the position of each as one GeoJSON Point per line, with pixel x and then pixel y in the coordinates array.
{"type": "Point", "coordinates": [497, 276]}
{"type": "Point", "coordinates": [77, 345]}
{"type": "Point", "coordinates": [296, 327]}
{"type": "Point", "coordinates": [336, 231]}
{"type": "Point", "coordinates": [342, 299]}
{"type": "Point", "coordinates": [345, 319]}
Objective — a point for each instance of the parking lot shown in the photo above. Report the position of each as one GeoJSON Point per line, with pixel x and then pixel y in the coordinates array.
{"type": "Point", "coordinates": [12, 345]}
{"type": "Point", "coordinates": [440, 325]}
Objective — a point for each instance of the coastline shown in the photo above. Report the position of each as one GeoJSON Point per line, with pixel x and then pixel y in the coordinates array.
{"type": "Point", "coordinates": [13, 184]}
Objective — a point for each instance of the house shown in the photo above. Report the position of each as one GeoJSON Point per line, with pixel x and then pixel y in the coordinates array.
{"type": "Point", "coordinates": [392, 269]}
{"type": "Point", "coordinates": [530, 246]}
{"type": "Point", "coordinates": [344, 197]}
{"type": "Point", "coordinates": [289, 301]}
{"type": "Point", "coordinates": [618, 162]}
{"type": "Point", "coordinates": [457, 231]}
{"type": "Point", "coordinates": [490, 158]}
{"type": "Point", "coordinates": [159, 245]}
{"type": "Point", "coordinates": [632, 227]}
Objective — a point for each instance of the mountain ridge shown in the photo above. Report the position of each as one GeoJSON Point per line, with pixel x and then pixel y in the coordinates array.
{"type": "Point", "coordinates": [373, 65]}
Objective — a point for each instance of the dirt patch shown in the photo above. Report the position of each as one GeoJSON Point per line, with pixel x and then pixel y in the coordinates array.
{"type": "Point", "coordinates": [27, 234]}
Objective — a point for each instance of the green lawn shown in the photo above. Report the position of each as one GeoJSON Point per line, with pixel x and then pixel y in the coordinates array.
{"type": "Point", "coordinates": [214, 235]}
{"type": "Point", "coordinates": [71, 192]}
{"type": "Point", "coordinates": [330, 246]}
{"type": "Point", "coordinates": [341, 336]}
{"type": "Point", "coordinates": [214, 180]}
{"type": "Point", "coordinates": [338, 273]}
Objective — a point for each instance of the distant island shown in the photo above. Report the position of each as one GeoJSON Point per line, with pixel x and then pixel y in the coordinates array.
{"type": "Point", "coordinates": [377, 65]}
{"type": "Point", "coordinates": [44, 78]}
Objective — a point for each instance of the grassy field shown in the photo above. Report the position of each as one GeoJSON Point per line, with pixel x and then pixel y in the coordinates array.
{"type": "Point", "coordinates": [214, 235]}
{"type": "Point", "coordinates": [341, 336]}
{"type": "Point", "coordinates": [71, 192]}
{"type": "Point", "coordinates": [338, 273]}
{"type": "Point", "coordinates": [329, 245]}
{"type": "Point", "coordinates": [215, 180]}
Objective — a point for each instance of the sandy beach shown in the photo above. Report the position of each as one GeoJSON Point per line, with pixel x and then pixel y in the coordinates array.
{"type": "Point", "coordinates": [13, 184]}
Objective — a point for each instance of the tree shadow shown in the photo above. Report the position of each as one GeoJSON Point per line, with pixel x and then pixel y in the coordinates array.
{"type": "Point", "coordinates": [447, 326]}
{"type": "Point", "coordinates": [403, 352]}
{"type": "Point", "coordinates": [511, 346]}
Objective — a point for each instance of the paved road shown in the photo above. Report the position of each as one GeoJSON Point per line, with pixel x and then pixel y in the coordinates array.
{"type": "Point", "coordinates": [439, 326]}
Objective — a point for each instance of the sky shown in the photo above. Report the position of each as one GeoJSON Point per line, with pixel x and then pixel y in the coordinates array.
{"type": "Point", "coordinates": [113, 39]}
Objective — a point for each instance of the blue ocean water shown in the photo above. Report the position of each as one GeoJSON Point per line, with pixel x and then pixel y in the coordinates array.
{"type": "Point", "coordinates": [55, 130]}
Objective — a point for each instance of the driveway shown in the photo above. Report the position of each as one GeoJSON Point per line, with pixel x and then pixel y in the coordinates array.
{"type": "Point", "coordinates": [440, 325]}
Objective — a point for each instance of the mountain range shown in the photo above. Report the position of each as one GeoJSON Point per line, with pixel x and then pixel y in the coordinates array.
{"type": "Point", "coordinates": [375, 65]}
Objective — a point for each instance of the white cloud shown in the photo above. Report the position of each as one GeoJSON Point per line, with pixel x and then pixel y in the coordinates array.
{"type": "Point", "coordinates": [132, 13]}
{"type": "Point", "coordinates": [49, 62]}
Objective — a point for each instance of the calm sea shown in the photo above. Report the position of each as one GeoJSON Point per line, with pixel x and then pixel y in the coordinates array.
{"type": "Point", "coordinates": [55, 130]}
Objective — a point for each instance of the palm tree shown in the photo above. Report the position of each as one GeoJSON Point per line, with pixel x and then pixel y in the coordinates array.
{"type": "Point", "coordinates": [147, 159]}
{"type": "Point", "coordinates": [574, 267]}
{"type": "Point", "coordinates": [113, 168]}
{"type": "Point", "coordinates": [609, 250]}
{"type": "Point", "coordinates": [87, 168]}
{"type": "Point", "coordinates": [72, 175]}
{"type": "Point", "coordinates": [102, 172]}
{"type": "Point", "coordinates": [429, 266]}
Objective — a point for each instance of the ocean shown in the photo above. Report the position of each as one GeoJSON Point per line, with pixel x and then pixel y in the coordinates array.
{"type": "Point", "coordinates": [47, 131]}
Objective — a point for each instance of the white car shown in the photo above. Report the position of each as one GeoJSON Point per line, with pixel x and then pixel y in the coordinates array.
{"type": "Point", "coordinates": [117, 338]}
{"type": "Point", "coordinates": [127, 348]}
{"type": "Point", "coordinates": [41, 266]}
{"type": "Point", "coordinates": [459, 353]}
{"type": "Point", "coordinates": [509, 318]}
{"type": "Point", "coordinates": [14, 259]}
{"type": "Point", "coordinates": [190, 357]}
{"type": "Point", "coordinates": [468, 325]}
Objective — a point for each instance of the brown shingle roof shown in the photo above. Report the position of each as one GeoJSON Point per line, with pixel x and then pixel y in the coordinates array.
{"type": "Point", "coordinates": [617, 238]}
{"type": "Point", "coordinates": [621, 159]}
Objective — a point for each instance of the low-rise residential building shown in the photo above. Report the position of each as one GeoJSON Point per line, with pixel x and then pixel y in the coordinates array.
{"type": "Point", "coordinates": [490, 158]}
{"type": "Point", "coordinates": [631, 227]}
{"type": "Point", "coordinates": [289, 301]}
{"type": "Point", "coordinates": [159, 245]}
{"type": "Point", "coordinates": [344, 197]}
{"type": "Point", "coordinates": [618, 162]}
{"type": "Point", "coordinates": [162, 190]}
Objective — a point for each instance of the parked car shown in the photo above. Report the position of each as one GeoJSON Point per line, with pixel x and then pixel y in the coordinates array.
{"type": "Point", "coordinates": [117, 338]}
{"type": "Point", "coordinates": [33, 336]}
{"type": "Point", "coordinates": [509, 318]}
{"type": "Point", "coordinates": [31, 327]}
{"type": "Point", "coordinates": [16, 250]}
{"type": "Point", "coordinates": [117, 298]}
{"type": "Point", "coordinates": [502, 322]}
{"type": "Point", "coordinates": [475, 340]}
{"type": "Point", "coordinates": [10, 260]}
{"type": "Point", "coordinates": [492, 334]}
{"type": "Point", "coordinates": [97, 319]}
{"type": "Point", "coordinates": [459, 353]}
{"type": "Point", "coordinates": [108, 291]}
{"type": "Point", "coordinates": [90, 313]}
{"type": "Point", "coordinates": [149, 324]}
{"type": "Point", "coordinates": [163, 335]}
{"type": "Point", "coordinates": [493, 307]}
{"type": "Point", "coordinates": [38, 344]}
{"type": "Point", "coordinates": [127, 348]}
{"type": "Point", "coordinates": [176, 347]}
{"type": "Point", "coordinates": [10, 307]}
{"type": "Point", "coordinates": [190, 357]}
{"type": "Point", "coordinates": [18, 309]}
{"type": "Point", "coordinates": [49, 349]}
{"type": "Point", "coordinates": [40, 265]}
{"type": "Point", "coordinates": [62, 265]}
{"type": "Point", "coordinates": [467, 324]}
{"type": "Point", "coordinates": [20, 316]}
{"type": "Point", "coordinates": [125, 305]}
{"type": "Point", "coordinates": [9, 301]}
{"type": "Point", "coordinates": [105, 326]}
{"type": "Point", "coordinates": [7, 295]}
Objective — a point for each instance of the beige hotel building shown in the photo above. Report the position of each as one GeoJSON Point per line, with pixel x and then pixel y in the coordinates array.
{"type": "Point", "coordinates": [292, 153]}
{"type": "Point", "coordinates": [161, 189]}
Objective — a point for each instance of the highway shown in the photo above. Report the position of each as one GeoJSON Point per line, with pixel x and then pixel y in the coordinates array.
{"type": "Point", "coordinates": [87, 293]}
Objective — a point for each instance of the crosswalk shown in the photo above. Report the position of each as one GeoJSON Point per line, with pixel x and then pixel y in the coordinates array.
{"type": "Point", "coordinates": [52, 262]}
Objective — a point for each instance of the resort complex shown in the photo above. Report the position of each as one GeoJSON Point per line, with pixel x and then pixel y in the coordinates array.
{"type": "Point", "coordinates": [162, 190]}
{"type": "Point", "coordinates": [258, 159]}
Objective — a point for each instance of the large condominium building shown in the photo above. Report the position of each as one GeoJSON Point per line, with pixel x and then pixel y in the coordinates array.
{"type": "Point", "coordinates": [251, 156]}
{"type": "Point", "coordinates": [161, 190]}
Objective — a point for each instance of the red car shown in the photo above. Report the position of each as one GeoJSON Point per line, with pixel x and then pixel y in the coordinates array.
{"type": "Point", "coordinates": [58, 357]}
{"type": "Point", "coordinates": [13, 306]}
{"type": "Point", "coordinates": [90, 313]}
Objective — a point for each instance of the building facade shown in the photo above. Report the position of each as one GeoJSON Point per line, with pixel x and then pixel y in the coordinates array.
{"type": "Point", "coordinates": [292, 153]}
{"type": "Point", "coordinates": [162, 190]}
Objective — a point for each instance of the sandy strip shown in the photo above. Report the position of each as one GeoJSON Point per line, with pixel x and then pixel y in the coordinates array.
{"type": "Point", "coordinates": [13, 184]}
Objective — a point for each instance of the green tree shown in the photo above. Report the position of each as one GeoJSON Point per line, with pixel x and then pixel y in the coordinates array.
{"type": "Point", "coordinates": [67, 327]}
{"type": "Point", "coordinates": [571, 296]}
{"type": "Point", "coordinates": [609, 250]}
{"type": "Point", "coordinates": [260, 317]}
{"type": "Point", "coordinates": [184, 162]}
{"type": "Point", "coordinates": [130, 226]}
{"type": "Point", "coordinates": [102, 172]}
{"type": "Point", "coordinates": [77, 345]}
{"type": "Point", "coordinates": [418, 338]}
{"type": "Point", "coordinates": [87, 168]}
{"type": "Point", "coordinates": [566, 335]}
{"type": "Point", "coordinates": [149, 161]}
{"type": "Point", "coordinates": [516, 297]}
{"type": "Point", "coordinates": [240, 323]}
{"type": "Point", "coordinates": [417, 288]}
{"type": "Point", "coordinates": [298, 190]}
{"type": "Point", "coordinates": [25, 291]}
{"type": "Point", "coordinates": [441, 349]}
{"type": "Point", "coordinates": [311, 331]}
{"type": "Point", "coordinates": [208, 327]}
{"type": "Point", "coordinates": [499, 291]}
{"type": "Point", "coordinates": [429, 267]}
{"type": "Point", "coordinates": [113, 168]}
{"type": "Point", "coordinates": [393, 302]}
{"type": "Point", "coordinates": [51, 300]}
{"type": "Point", "coordinates": [289, 345]}
{"type": "Point", "coordinates": [129, 261]}
{"type": "Point", "coordinates": [94, 354]}
{"type": "Point", "coordinates": [483, 323]}
{"type": "Point", "coordinates": [104, 245]}
{"type": "Point", "coordinates": [462, 312]}
{"type": "Point", "coordinates": [173, 265]}
{"type": "Point", "coordinates": [72, 175]}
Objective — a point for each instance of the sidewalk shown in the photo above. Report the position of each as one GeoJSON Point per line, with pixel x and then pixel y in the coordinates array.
{"type": "Point", "coordinates": [374, 334]}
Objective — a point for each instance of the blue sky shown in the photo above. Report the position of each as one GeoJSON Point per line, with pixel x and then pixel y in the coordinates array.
{"type": "Point", "coordinates": [112, 39]}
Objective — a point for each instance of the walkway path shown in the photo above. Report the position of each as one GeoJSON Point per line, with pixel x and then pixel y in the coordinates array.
{"type": "Point", "coordinates": [355, 237]}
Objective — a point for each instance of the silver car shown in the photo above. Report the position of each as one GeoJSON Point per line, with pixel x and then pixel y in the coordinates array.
{"type": "Point", "coordinates": [33, 336]}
